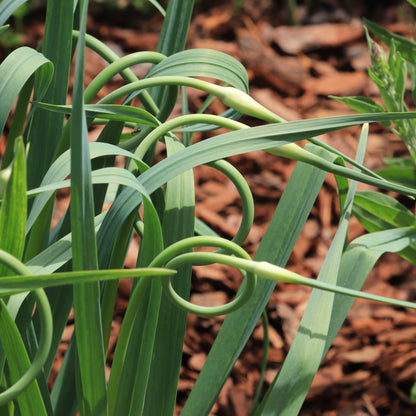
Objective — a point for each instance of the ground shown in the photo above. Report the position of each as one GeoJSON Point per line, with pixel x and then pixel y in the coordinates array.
{"type": "Point", "coordinates": [292, 69]}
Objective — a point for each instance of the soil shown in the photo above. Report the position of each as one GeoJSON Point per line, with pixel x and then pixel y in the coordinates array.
{"type": "Point", "coordinates": [292, 69]}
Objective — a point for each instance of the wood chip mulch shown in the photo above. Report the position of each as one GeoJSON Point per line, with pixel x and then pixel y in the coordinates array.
{"type": "Point", "coordinates": [292, 69]}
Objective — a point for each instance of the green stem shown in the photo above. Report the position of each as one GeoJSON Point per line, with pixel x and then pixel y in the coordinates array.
{"type": "Point", "coordinates": [245, 195]}
{"type": "Point", "coordinates": [300, 154]}
{"type": "Point", "coordinates": [259, 388]}
{"type": "Point", "coordinates": [163, 81]}
{"type": "Point", "coordinates": [172, 256]}
{"type": "Point", "coordinates": [269, 271]}
{"type": "Point", "coordinates": [169, 125]}
{"type": "Point", "coordinates": [117, 67]}
{"type": "Point", "coordinates": [110, 56]}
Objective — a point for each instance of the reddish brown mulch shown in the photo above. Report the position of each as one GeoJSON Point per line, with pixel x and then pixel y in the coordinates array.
{"type": "Point", "coordinates": [372, 364]}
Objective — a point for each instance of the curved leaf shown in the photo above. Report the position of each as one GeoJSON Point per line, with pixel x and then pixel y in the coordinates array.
{"type": "Point", "coordinates": [7, 8]}
{"type": "Point", "coordinates": [60, 169]}
{"type": "Point", "coordinates": [15, 71]}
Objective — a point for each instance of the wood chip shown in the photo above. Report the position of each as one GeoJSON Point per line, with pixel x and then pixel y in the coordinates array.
{"type": "Point", "coordinates": [295, 39]}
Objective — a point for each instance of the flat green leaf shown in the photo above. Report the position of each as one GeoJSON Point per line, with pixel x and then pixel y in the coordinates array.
{"type": "Point", "coordinates": [14, 208]}
{"type": "Point", "coordinates": [178, 223]}
{"type": "Point", "coordinates": [175, 26]}
{"type": "Point", "coordinates": [108, 112]}
{"type": "Point", "coordinates": [404, 175]}
{"type": "Point", "coordinates": [132, 358]}
{"type": "Point", "coordinates": [204, 63]}
{"type": "Point", "coordinates": [158, 7]}
{"type": "Point", "coordinates": [405, 46]}
{"type": "Point", "coordinates": [289, 388]}
{"type": "Point", "coordinates": [363, 253]}
{"type": "Point", "coordinates": [46, 127]}
{"type": "Point", "coordinates": [385, 207]}
{"type": "Point", "coordinates": [379, 212]}
{"type": "Point", "coordinates": [92, 389]}
{"type": "Point", "coordinates": [172, 39]}
{"type": "Point", "coordinates": [57, 254]}
{"type": "Point", "coordinates": [362, 105]}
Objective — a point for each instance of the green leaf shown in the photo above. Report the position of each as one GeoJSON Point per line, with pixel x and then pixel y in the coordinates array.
{"type": "Point", "coordinates": [46, 127]}
{"type": "Point", "coordinates": [405, 46]}
{"type": "Point", "coordinates": [30, 401]}
{"type": "Point", "coordinates": [275, 247]}
{"type": "Point", "coordinates": [362, 105]}
{"type": "Point", "coordinates": [14, 208]}
{"type": "Point", "coordinates": [385, 208]}
{"type": "Point", "coordinates": [379, 212]}
{"type": "Point", "coordinates": [288, 390]}
{"type": "Point", "coordinates": [108, 112]}
{"type": "Point", "coordinates": [158, 7]}
{"type": "Point", "coordinates": [203, 63]}
{"type": "Point", "coordinates": [132, 359]}
{"type": "Point", "coordinates": [175, 26]}
{"type": "Point", "coordinates": [92, 389]}
{"type": "Point", "coordinates": [404, 175]}
{"type": "Point", "coordinates": [178, 224]}
{"type": "Point", "coordinates": [8, 7]}
{"type": "Point", "coordinates": [363, 253]}
{"type": "Point", "coordinates": [15, 71]}
{"type": "Point", "coordinates": [413, 389]}
{"type": "Point", "coordinates": [60, 169]}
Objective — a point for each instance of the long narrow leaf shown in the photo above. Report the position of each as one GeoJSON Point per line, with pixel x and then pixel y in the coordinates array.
{"type": "Point", "coordinates": [275, 247]}
{"type": "Point", "coordinates": [14, 208]}
{"type": "Point", "coordinates": [167, 354]}
{"type": "Point", "coordinates": [30, 401]}
{"type": "Point", "coordinates": [289, 389]}
{"type": "Point", "coordinates": [46, 127]}
{"type": "Point", "coordinates": [92, 392]}
{"type": "Point", "coordinates": [133, 355]}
